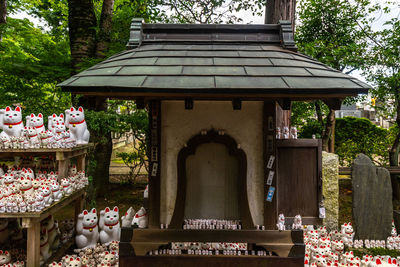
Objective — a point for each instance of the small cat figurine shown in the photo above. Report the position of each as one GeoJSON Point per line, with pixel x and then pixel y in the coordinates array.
{"type": "Point", "coordinates": [34, 139]}
{"type": "Point", "coordinates": [11, 122]}
{"type": "Point", "coordinates": [109, 258]}
{"type": "Point", "coordinates": [26, 185]}
{"type": "Point", "coordinates": [74, 262]}
{"type": "Point", "coordinates": [56, 191]}
{"type": "Point", "coordinates": [126, 220]}
{"type": "Point", "coordinates": [141, 219]}
{"type": "Point", "coordinates": [109, 225]}
{"type": "Point", "coordinates": [53, 120]}
{"type": "Point", "coordinates": [5, 257]}
{"type": "Point", "coordinates": [87, 230]}
{"type": "Point", "coordinates": [47, 196]}
{"type": "Point", "coordinates": [66, 186]}
{"type": "Point", "coordinates": [281, 223]}
{"type": "Point", "coordinates": [36, 122]}
{"type": "Point", "coordinates": [75, 121]}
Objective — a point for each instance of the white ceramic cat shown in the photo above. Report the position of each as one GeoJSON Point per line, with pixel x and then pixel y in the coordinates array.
{"type": "Point", "coordinates": [75, 121]}
{"type": "Point", "coordinates": [66, 186]}
{"type": "Point", "coordinates": [141, 219]}
{"type": "Point", "coordinates": [36, 122]}
{"type": "Point", "coordinates": [50, 226]}
{"type": "Point", "coordinates": [53, 120]}
{"type": "Point", "coordinates": [347, 233]}
{"type": "Point", "coordinates": [281, 223]}
{"type": "Point", "coordinates": [26, 186]}
{"type": "Point", "coordinates": [109, 258]}
{"type": "Point", "coordinates": [11, 122]}
{"type": "Point", "coordinates": [5, 142]}
{"type": "Point", "coordinates": [56, 191]}
{"type": "Point", "coordinates": [73, 262]}
{"type": "Point", "coordinates": [110, 228]}
{"type": "Point", "coordinates": [5, 257]}
{"type": "Point", "coordinates": [126, 220]}
{"type": "Point", "coordinates": [39, 202]}
{"type": "Point", "coordinates": [44, 245]}
{"type": "Point", "coordinates": [45, 139]}
{"type": "Point", "coordinates": [47, 196]}
{"type": "Point", "coordinates": [87, 230]}
{"type": "Point", "coordinates": [297, 223]}
{"type": "Point", "coordinates": [3, 231]}
{"type": "Point", "coordinates": [34, 139]}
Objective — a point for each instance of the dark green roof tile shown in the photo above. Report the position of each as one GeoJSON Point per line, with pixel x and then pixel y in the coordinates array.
{"type": "Point", "coordinates": [249, 82]}
{"type": "Point", "coordinates": [179, 82]}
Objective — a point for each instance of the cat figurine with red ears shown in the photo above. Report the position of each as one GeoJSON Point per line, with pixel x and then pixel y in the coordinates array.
{"type": "Point", "coordinates": [36, 122]}
{"type": "Point", "coordinates": [5, 257]}
{"type": "Point", "coordinates": [11, 122]}
{"type": "Point", "coordinates": [75, 121]}
{"type": "Point", "coordinates": [109, 225]}
{"type": "Point", "coordinates": [87, 232]}
{"type": "Point", "coordinates": [53, 120]}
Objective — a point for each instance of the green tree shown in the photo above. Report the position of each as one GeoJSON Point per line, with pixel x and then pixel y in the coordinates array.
{"type": "Point", "coordinates": [330, 32]}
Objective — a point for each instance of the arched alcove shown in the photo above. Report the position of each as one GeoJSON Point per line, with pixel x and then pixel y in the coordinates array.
{"type": "Point", "coordinates": [235, 154]}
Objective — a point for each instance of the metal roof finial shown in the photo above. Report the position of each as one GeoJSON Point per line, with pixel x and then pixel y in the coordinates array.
{"type": "Point", "coordinates": [286, 35]}
{"type": "Point", "coordinates": [135, 39]}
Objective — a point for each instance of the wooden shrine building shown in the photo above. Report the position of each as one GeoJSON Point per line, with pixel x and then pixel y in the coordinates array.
{"type": "Point", "coordinates": [216, 95]}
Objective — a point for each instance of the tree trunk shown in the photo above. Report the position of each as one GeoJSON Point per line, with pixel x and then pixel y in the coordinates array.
{"type": "Point", "coordinates": [82, 31]}
{"type": "Point", "coordinates": [276, 10]}
{"type": "Point", "coordinates": [318, 111]}
{"type": "Point", "coordinates": [3, 11]}
{"type": "Point", "coordinates": [104, 37]}
{"type": "Point", "coordinates": [3, 16]}
{"type": "Point", "coordinates": [103, 149]}
{"type": "Point", "coordinates": [328, 138]}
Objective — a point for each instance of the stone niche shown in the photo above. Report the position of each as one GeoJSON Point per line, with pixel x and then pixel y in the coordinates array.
{"type": "Point", "coordinates": [372, 200]}
{"type": "Point", "coordinates": [178, 125]}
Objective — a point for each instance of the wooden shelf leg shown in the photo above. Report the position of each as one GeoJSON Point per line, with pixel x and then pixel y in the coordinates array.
{"type": "Point", "coordinates": [78, 207]}
{"type": "Point", "coordinates": [62, 169]}
{"type": "Point", "coordinates": [81, 162]}
{"type": "Point", "coordinates": [33, 244]}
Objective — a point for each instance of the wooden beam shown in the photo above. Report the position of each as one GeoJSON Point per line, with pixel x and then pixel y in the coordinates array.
{"type": "Point", "coordinates": [140, 104]}
{"type": "Point", "coordinates": [285, 103]}
{"type": "Point", "coordinates": [333, 103]}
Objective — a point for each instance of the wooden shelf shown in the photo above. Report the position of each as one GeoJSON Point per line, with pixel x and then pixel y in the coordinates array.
{"type": "Point", "coordinates": [47, 211]}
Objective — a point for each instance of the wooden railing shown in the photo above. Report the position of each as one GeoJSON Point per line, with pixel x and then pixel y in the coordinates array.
{"type": "Point", "coordinates": [347, 170]}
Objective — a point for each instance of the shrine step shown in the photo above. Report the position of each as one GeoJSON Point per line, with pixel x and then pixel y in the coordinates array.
{"type": "Point", "coordinates": [210, 261]}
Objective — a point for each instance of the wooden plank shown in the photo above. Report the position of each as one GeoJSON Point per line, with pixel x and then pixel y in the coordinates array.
{"type": "Point", "coordinates": [249, 236]}
{"type": "Point", "coordinates": [210, 261]}
{"type": "Point", "coordinates": [155, 181]}
{"type": "Point", "coordinates": [297, 143]}
{"type": "Point", "coordinates": [33, 245]}
{"type": "Point", "coordinates": [34, 151]}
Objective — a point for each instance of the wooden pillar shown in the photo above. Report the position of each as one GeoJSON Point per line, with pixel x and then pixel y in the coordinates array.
{"type": "Point", "coordinates": [62, 168]}
{"type": "Point", "coordinates": [81, 162]}
{"type": "Point", "coordinates": [155, 164]}
{"type": "Point", "coordinates": [269, 126]}
{"type": "Point", "coordinates": [33, 243]}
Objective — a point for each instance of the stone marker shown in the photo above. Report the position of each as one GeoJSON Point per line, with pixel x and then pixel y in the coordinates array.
{"type": "Point", "coordinates": [372, 200]}
{"type": "Point", "coordinates": [330, 189]}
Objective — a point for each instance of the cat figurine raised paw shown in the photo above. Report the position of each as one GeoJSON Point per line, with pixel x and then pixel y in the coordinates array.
{"type": "Point", "coordinates": [126, 220]}
{"type": "Point", "coordinates": [11, 122]}
{"type": "Point", "coordinates": [87, 230]}
{"type": "Point", "coordinates": [141, 219]}
{"type": "Point", "coordinates": [75, 121]}
{"type": "Point", "coordinates": [109, 225]}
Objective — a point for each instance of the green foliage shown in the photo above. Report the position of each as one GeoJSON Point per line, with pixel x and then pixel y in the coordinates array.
{"type": "Point", "coordinates": [31, 64]}
{"type": "Point", "coordinates": [136, 161]}
{"type": "Point", "coordinates": [210, 11]}
{"type": "Point", "coordinates": [329, 31]}
{"type": "Point", "coordinates": [354, 136]}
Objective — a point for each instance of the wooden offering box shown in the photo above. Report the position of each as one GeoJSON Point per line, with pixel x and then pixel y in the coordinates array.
{"type": "Point", "coordinates": [216, 96]}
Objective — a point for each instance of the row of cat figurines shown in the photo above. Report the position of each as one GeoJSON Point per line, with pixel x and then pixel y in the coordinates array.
{"type": "Point", "coordinates": [90, 228]}
{"type": "Point", "coordinates": [11, 124]}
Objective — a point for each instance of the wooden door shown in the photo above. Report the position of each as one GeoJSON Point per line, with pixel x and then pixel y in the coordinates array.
{"type": "Point", "coordinates": [299, 184]}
